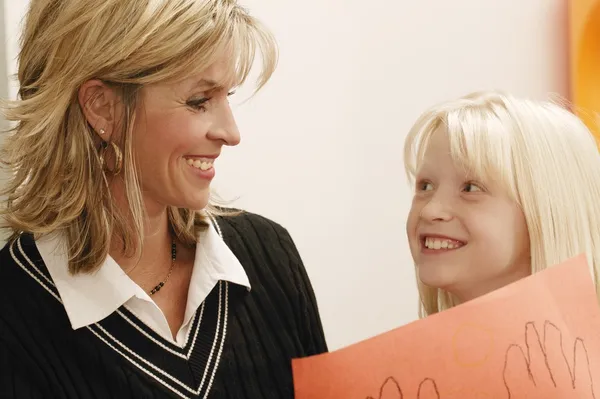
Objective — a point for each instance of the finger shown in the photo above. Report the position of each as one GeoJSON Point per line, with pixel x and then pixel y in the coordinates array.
{"type": "Point", "coordinates": [391, 389]}
{"type": "Point", "coordinates": [428, 390]}
{"type": "Point", "coordinates": [535, 352]}
{"type": "Point", "coordinates": [516, 374]}
{"type": "Point", "coordinates": [583, 382]}
{"type": "Point", "coordinates": [557, 358]}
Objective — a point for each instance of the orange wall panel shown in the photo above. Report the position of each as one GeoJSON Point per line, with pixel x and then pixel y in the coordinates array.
{"type": "Point", "coordinates": [584, 53]}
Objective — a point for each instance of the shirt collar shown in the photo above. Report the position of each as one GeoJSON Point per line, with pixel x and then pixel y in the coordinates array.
{"type": "Point", "coordinates": [89, 298]}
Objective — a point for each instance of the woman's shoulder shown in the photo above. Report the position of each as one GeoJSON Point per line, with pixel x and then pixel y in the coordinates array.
{"type": "Point", "coordinates": [249, 225]}
{"type": "Point", "coordinates": [250, 235]}
{"type": "Point", "coordinates": [11, 253]}
{"type": "Point", "coordinates": [17, 259]}
{"type": "Point", "coordinates": [30, 282]}
{"type": "Point", "coordinates": [266, 250]}
{"type": "Point", "coordinates": [5, 257]}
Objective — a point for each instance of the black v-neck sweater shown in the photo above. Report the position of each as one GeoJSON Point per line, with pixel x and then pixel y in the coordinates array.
{"type": "Point", "coordinates": [240, 346]}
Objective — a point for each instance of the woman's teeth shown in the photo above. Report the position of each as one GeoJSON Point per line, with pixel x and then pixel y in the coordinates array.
{"type": "Point", "coordinates": [202, 164]}
{"type": "Point", "coordinates": [438, 243]}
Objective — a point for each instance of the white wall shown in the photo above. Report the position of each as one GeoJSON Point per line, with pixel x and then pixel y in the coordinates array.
{"type": "Point", "coordinates": [8, 40]}
{"type": "Point", "coordinates": [321, 146]}
{"type": "Point", "coordinates": [14, 11]}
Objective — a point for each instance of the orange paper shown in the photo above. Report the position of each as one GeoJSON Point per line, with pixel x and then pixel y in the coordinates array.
{"type": "Point", "coordinates": [584, 32]}
{"type": "Point", "coordinates": [536, 338]}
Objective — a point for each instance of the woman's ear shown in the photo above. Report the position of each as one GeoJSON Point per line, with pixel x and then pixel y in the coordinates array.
{"type": "Point", "coordinates": [99, 105]}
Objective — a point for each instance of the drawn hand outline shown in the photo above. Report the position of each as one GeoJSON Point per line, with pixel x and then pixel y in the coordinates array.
{"type": "Point", "coordinates": [543, 363]}
{"type": "Point", "coordinates": [390, 389]}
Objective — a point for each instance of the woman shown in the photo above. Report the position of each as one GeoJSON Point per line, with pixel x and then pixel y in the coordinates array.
{"type": "Point", "coordinates": [121, 278]}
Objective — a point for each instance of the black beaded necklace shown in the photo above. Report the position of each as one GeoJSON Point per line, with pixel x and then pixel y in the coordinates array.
{"type": "Point", "coordinates": [162, 283]}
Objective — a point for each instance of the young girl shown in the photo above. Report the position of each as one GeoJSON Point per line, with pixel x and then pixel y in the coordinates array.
{"type": "Point", "coordinates": [504, 187]}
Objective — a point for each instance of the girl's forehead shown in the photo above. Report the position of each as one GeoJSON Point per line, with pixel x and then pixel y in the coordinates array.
{"type": "Point", "coordinates": [439, 159]}
{"type": "Point", "coordinates": [447, 168]}
{"type": "Point", "coordinates": [436, 150]}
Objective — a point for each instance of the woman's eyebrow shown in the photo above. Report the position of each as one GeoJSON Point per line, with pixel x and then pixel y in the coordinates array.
{"type": "Point", "coordinates": [208, 84]}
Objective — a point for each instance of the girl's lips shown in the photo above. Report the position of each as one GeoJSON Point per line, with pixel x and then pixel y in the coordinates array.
{"type": "Point", "coordinates": [437, 244]}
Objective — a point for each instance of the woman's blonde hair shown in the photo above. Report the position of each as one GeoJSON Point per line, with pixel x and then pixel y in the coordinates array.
{"type": "Point", "coordinates": [57, 183]}
{"type": "Point", "coordinates": [542, 154]}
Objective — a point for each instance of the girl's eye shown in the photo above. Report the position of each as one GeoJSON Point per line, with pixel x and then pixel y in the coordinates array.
{"type": "Point", "coordinates": [424, 186]}
{"type": "Point", "coordinates": [472, 187]}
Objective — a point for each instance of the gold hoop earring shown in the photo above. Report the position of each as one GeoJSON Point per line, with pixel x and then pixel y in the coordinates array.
{"type": "Point", "coordinates": [118, 158]}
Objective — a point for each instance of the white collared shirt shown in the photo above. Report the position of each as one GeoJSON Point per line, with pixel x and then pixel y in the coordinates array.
{"type": "Point", "coordinates": [89, 298]}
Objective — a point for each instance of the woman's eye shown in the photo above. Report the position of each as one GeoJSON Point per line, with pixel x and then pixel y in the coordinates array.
{"type": "Point", "coordinates": [199, 104]}
{"type": "Point", "coordinates": [472, 187]}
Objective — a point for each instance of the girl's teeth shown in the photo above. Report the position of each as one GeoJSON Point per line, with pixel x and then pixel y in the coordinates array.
{"type": "Point", "coordinates": [436, 243]}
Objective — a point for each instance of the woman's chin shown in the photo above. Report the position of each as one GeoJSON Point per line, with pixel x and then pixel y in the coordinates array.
{"type": "Point", "coordinates": [196, 202]}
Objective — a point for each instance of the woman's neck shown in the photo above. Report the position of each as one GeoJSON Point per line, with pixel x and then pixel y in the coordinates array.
{"type": "Point", "coordinates": [152, 260]}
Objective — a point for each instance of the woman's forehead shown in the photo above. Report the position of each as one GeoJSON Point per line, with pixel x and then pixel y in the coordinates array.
{"type": "Point", "coordinates": [219, 76]}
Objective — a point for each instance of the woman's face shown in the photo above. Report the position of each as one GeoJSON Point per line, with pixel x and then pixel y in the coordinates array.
{"type": "Point", "coordinates": [179, 132]}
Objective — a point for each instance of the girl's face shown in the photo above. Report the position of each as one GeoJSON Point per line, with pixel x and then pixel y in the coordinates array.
{"type": "Point", "coordinates": [467, 237]}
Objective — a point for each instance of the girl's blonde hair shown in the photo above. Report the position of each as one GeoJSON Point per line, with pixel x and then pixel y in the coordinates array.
{"type": "Point", "coordinates": [544, 157]}
{"type": "Point", "coordinates": [56, 179]}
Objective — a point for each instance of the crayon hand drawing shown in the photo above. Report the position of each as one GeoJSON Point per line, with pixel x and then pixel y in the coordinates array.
{"type": "Point", "coordinates": [390, 389]}
{"type": "Point", "coordinates": [544, 366]}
